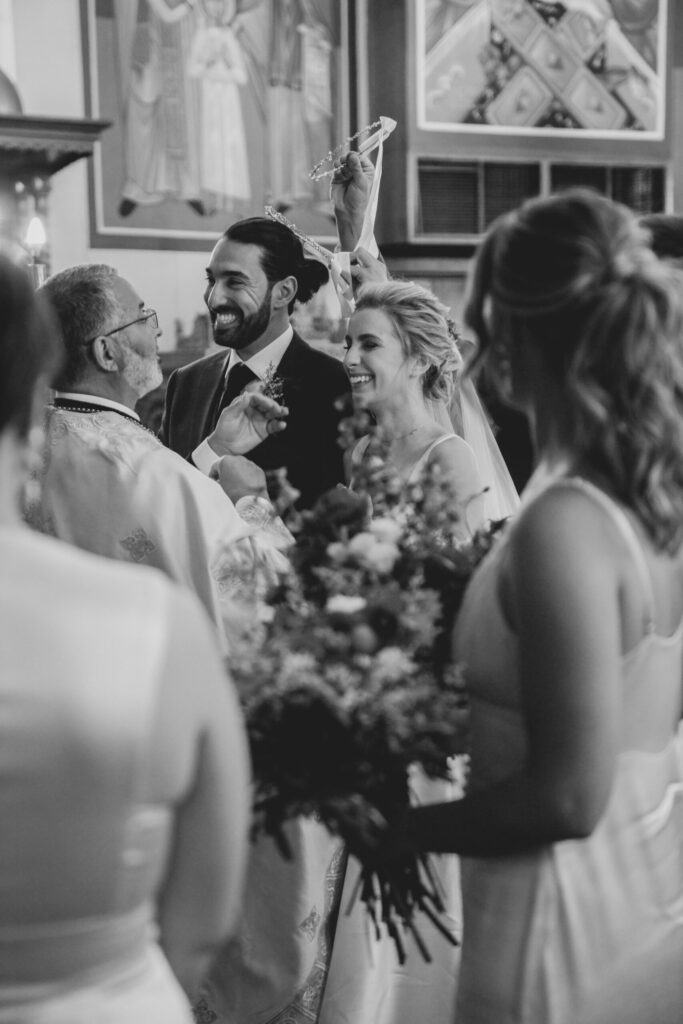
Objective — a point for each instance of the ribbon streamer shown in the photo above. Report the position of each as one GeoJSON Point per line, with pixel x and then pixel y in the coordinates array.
{"type": "Point", "coordinates": [342, 260]}
{"type": "Point", "coordinates": [339, 263]}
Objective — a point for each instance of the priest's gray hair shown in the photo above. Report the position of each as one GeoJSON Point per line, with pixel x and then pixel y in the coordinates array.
{"type": "Point", "coordinates": [86, 305]}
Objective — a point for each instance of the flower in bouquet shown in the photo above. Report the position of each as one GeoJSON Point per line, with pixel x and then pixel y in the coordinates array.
{"type": "Point", "coordinates": [347, 683]}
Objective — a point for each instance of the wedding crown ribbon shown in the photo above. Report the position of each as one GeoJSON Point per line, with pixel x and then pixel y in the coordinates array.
{"type": "Point", "coordinates": [314, 248]}
{"type": "Point", "coordinates": [339, 263]}
{"type": "Point", "coordinates": [330, 259]}
{"type": "Point", "coordinates": [378, 131]}
{"type": "Point", "coordinates": [342, 260]}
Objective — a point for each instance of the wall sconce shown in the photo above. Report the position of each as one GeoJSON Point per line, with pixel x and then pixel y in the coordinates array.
{"type": "Point", "coordinates": [32, 206]}
{"type": "Point", "coordinates": [32, 149]}
{"type": "Point", "coordinates": [35, 241]}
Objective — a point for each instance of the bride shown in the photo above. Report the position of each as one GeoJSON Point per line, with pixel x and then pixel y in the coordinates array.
{"type": "Point", "coordinates": [427, 423]}
{"type": "Point", "coordinates": [450, 397]}
{"type": "Point", "coordinates": [402, 359]}
{"type": "Point", "coordinates": [403, 362]}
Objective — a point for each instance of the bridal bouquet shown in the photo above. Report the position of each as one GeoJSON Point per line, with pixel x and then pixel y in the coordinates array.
{"type": "Point", "coordinates": [346, 679]}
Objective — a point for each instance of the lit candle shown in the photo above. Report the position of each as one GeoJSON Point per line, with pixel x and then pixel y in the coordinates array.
{"type": "Point", "coordinates": [35, 241]}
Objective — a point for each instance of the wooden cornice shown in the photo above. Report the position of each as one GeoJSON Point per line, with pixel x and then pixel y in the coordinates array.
{"type": "Point", "coordinates": [41, 146]}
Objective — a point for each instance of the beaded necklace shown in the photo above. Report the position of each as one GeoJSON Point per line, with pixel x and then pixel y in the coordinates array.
{"type": "Point", "coordinates": [69, 405]}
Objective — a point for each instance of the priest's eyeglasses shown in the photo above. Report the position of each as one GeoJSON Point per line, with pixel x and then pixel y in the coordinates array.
{"type": "Point", "coordinates": [146, 314]}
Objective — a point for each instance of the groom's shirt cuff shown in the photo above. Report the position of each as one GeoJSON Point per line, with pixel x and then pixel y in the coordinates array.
{"type": "Point", "coordinates": [204, 457]}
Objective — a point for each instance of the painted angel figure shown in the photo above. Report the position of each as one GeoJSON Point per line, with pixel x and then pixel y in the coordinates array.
{"type": "Point", "coordinates": [217, 62]}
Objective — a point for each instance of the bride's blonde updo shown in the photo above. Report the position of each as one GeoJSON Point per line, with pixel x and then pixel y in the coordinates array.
{"type": "Point", "coordinates": [424, 330]}
{"type": "Point", "coordinates": [573, 276]}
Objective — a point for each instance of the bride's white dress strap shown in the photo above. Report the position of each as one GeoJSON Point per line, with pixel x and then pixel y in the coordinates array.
{"type": "Point", "coordinates": [424, 458]}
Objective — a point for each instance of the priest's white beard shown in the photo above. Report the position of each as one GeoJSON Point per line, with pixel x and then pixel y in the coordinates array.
{"type": "Point", "coordinates": [142, 373]}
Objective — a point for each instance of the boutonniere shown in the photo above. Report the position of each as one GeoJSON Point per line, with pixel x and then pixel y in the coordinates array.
{"type": "Point", "coordinates": [272, 384]}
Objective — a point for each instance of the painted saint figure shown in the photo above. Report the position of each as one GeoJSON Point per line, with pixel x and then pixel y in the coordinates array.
{"type": "Point", "coordinates": [216, 60]}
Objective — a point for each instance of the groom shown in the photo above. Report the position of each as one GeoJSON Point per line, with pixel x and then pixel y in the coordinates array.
{"type": "Point", "coordinates": [256, 272]}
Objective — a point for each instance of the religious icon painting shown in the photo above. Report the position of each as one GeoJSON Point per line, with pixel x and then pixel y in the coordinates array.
{"type": "Point", "coordinates": [217, 107]}
{"type": "Point", "coordinates": [591, 68]}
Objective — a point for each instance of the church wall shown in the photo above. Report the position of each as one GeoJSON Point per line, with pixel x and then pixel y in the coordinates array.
{"type": "Point", "coordinates": [677, 107]}
{"type": "Point", "coordinates": [441, 262]}
{"type": "Point", "coordinates": [50, 81]}
{"type": "Point", "coordinates": [50, 78]}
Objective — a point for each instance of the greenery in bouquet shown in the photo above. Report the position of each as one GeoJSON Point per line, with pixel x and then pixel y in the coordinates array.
{"type": "Point", "coordinates": [346, 679]}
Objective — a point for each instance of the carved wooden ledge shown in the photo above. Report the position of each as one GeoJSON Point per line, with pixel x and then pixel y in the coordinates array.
{"type": "Point", "coordinates": [44, 145]}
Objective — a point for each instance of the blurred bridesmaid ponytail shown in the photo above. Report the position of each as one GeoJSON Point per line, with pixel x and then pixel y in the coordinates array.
{"type": "Point", "coordinates": [574, 276]}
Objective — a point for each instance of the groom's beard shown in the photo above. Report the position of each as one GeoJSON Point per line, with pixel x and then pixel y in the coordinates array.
{"type": "Point", "coordinates": [245, 329]}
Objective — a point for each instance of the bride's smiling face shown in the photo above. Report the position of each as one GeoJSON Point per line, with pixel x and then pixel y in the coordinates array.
{"type": "Point", "coordinates": [378, 368]}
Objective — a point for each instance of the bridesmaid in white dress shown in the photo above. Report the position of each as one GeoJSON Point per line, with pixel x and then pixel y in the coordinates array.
{"type": "Point", "coordinates": [572, 633]}
{"type": "Point", "coordinates": [124, 781]}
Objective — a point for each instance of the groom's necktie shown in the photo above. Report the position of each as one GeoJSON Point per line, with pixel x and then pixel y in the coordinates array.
{"type": "Point", "coordinates": [239, 376]}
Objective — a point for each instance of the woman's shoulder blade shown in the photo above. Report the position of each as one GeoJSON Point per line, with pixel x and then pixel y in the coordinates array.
{"type": "Point", "coordinates": [71, 569]}
{"type": "Point", "coordinates": [564, 521]}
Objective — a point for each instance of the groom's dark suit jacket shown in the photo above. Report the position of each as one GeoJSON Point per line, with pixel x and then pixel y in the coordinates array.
{"type": "Point", "coordinates": [307, 448]}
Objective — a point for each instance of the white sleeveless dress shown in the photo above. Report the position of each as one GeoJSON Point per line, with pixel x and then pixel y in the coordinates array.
{"type": "Point", "coordinates": [82, 645]}
{"type": "Point", "coordinates": [360, 447]}
{"type": "Point", "coordinates": [585, 931]}
{"type": "Point", "coordinates": [467, 482]}
{"type": "Point", "coordinates": [366, 983]}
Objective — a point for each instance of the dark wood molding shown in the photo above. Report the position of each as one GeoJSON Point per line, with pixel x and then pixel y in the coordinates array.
{"type": "Point", "coordinates": [44, 145]}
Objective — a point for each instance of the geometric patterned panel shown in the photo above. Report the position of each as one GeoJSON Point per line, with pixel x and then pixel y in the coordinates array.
{"type": "Point", "coordinates": [528, 65]}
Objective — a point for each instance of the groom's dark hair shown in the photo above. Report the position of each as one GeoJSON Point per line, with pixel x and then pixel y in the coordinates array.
{"type": "Point", "coordinates": [282, 255]}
